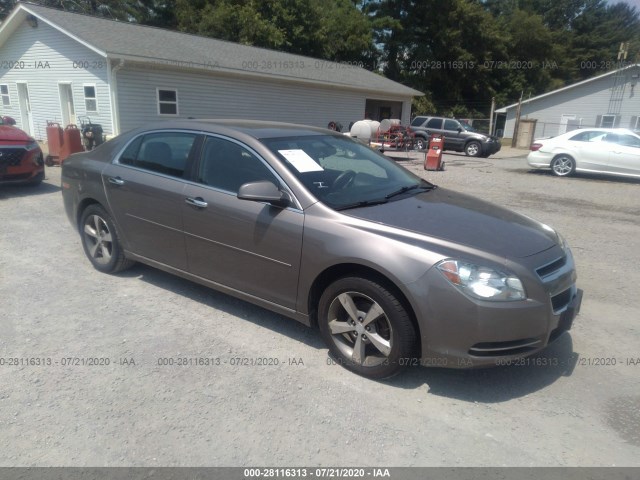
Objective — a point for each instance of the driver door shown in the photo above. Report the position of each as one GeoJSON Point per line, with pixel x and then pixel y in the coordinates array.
{"type": "Point", "coordinates": [250, 246]}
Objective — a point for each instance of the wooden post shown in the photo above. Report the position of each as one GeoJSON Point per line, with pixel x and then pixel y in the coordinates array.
{"type": "Point", "coordinates": [514, 140]}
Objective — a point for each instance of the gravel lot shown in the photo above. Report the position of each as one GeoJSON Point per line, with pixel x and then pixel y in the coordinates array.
{"type": "Point", "coordinates": [305, 411]}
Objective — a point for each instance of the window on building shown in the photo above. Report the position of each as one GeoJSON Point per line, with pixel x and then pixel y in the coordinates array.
{"type": "Point", "coordinates": [167, 101]}
{"type": "Point", "coordinates": [4, 93]}
{"type": "Point", "coordinates": [607, 121]}
{"type": "Point", "coordinates": [90, 99]}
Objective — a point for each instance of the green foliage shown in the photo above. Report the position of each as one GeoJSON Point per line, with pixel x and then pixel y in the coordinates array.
{"type": "Point", "coordinates": [329, 29]}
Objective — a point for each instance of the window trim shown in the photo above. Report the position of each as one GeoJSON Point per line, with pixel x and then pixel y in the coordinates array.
{"type": "Point", "coordinates": [164, 102]}
{"type": "Point", "coordinates": [2, 95]}
{"type": "Point", "coordinates": [84, 95]}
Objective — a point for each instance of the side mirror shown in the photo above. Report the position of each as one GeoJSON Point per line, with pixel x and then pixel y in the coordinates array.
{"type": "Point", "coordinates": [459, 129]}
{"type": "Point", "coordinates": [264, 191]}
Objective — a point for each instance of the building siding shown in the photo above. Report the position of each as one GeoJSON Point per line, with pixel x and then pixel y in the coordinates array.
{"type": "Point", "coordinates": [32, 47]}
{"type": "Point", "coordinates": [215, 96]}
{"type": "Point", "coordinates": [586, 102]}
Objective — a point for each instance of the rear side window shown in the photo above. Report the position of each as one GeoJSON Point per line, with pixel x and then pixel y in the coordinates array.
{"type": "Point", "coordinates": [435, 123]}
{"type": "Point", "coordinates": [418, 121]}
{"type": "Point", "coordinates": [588, 136]}
{"type": "Point", "coordinates": [165, 152]}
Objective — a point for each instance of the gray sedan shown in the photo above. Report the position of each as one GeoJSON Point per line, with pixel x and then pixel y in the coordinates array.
{"type": "Point", "coordinates": [318, 227]}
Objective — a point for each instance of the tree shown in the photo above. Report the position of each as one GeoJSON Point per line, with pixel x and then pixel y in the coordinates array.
{"type": "Point", "coordinates": [331, 29]}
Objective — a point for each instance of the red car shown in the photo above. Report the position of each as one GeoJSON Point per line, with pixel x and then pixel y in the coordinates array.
{"type": "Point", "coordinates": [21, 159]}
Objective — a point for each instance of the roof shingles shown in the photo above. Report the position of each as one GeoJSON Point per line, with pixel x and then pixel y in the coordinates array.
{"type": "Point", "coordinates": [156, 45]}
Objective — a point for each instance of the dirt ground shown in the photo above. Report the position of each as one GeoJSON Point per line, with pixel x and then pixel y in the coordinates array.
{"type": "Point", "coordinates": [58, 408]}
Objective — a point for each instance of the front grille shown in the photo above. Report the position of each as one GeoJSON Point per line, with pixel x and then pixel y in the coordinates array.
{"type": "Point", "coordinates": [500, 349]}
{"type": "Point", "coordinates": [560, 301]}
{"type": "Point", "coordinates": [550, 268]}
{"type": "Point", "coordinates": [11, 157]}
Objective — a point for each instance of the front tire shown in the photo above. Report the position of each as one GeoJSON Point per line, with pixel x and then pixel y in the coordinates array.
{"type": "Point", "coordinates": [563, 165]}
{"type": "Point", "coordinates": [101, 242]}
{"type": "Point", "coordinates": [366, 327]}
{"type": "Point", "coordinates": [473, 149]}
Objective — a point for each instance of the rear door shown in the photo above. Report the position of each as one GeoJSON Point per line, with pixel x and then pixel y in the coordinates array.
{"type": "Point", "coordinates": [145, 190]}
{"type": "Point", "coordinates": [249, 246]}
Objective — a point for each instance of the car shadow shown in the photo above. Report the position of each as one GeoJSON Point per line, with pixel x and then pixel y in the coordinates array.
{"type": "Point", "coordinates": [496, 384]}
{"type": "Point", "coordinates": [16, 191]}
{"type": "Point", "coordinates": [486, 385]}
{"type": "Point", "coordinates": [585, 176]}
{"type": "Point", "coordinates": [227, 303]}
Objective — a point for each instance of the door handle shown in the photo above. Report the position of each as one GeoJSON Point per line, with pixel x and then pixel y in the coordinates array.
{"type": "Point", "coordinates": [196, 202]}
{"type": "Point", "coordinates": [116, 181]}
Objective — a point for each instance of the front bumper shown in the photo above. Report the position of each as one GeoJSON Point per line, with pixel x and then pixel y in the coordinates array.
{"type": "Point", "coordinates": [460, 332]}
{"type": "Point", "coordinates": [489, 148]}
{"type": "Point", "coordinates": [18, 165]}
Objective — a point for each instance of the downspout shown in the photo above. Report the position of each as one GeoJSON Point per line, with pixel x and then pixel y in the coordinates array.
{"type": "Point", "coordinates": [113, 84]}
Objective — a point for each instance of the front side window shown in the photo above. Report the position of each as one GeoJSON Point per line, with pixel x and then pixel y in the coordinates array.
{"type": "Point", "coordinates": [4, 93]}
{"type": "Point", "coordinates": [90, 99]}
{"type": "Point", "coordinates": [167, 101]}
{"type": "Point", "coordinates": [341, 172]}
{"type": "Point", "coordinates": [624, 140]}
{"type": "Point", "coordinates": [227, 165]}
{"type": "Point", "coordinates": [162, 152]}
{"type": "Point", "coordinates": [451, 125]}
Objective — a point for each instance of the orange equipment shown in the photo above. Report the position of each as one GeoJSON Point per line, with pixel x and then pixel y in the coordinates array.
{"type": "Point", "coordinates": [71, 142]}
{"type": "Point", "coordinates": [433, 157]}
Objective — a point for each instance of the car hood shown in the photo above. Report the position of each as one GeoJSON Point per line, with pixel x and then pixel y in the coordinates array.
{"type": "Point", "coordinates": [13, 134]}
{"type": "Point", "coordinates": [464, 220]}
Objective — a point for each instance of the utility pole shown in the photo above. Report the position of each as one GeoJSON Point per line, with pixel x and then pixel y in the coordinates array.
{"type": "Point", "coordinates": [493, 108]}
{"type": "Point", "coordinates": [514, 140]}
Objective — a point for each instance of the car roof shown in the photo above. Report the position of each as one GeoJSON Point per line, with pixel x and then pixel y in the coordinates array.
{"type": "Point", "coordinates": [600, 129]}
{"type": "Point", "coordinates": [254, 128]}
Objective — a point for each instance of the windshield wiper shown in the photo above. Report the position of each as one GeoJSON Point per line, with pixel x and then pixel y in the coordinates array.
{"type": "Point", "coordinates": [407, 188]}
{"type": "Point", "coordinates": [364, 203]}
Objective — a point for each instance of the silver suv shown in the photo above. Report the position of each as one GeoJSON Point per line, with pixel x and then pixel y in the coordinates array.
{"type": "Point", "coordinates": [458, 136]}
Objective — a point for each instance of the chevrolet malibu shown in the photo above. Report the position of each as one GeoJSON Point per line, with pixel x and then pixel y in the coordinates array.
{"type": "Point", "coordinates": [318, 227]}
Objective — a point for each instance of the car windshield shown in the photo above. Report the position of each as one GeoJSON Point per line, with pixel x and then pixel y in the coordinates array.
{"type": "Point", "coordinates": [343, 173]}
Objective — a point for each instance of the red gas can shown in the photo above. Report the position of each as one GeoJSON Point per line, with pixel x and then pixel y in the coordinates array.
{"type": "Point", "coordinates": [71, 142]}
{"type": "Point", "coordinates": [54, 138]}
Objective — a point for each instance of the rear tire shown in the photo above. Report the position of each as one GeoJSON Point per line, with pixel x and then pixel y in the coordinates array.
{"type": "Point", "coordinates": [101, 242]}
{"type": "Point", "coordinates": [563, 165]}
{"type": "Point", "coordinates": [366, 327]}
{"type": "Point", "coordinates": [420, 143]}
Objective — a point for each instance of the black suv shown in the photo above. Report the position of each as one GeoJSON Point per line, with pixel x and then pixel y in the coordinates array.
{"type": "Point", "coordinates": [458, 136]}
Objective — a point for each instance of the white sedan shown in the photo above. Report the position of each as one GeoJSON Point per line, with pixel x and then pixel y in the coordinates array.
{"type": "Point", "coordinates": [614, 151]}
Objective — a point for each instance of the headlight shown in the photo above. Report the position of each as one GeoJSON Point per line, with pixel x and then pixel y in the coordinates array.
{"type": "Point", "coordinates": [32, 146]}
{"type": "Point", "coordinates": [482, 282]}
